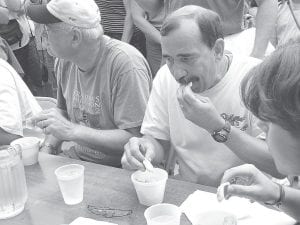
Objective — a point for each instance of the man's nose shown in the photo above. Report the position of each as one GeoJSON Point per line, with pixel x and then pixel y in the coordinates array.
{"type": "Point", "coordinates": [180, 74]}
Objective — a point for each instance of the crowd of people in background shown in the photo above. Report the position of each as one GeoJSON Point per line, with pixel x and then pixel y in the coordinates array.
{"type": "Point", "coordinates": [206, 89]}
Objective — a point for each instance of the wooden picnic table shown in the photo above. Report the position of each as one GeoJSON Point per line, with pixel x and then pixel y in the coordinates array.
{"type": "Point", "coordinates": [104, 187]}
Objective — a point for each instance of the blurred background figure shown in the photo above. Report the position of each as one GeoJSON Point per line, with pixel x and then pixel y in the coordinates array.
{"type": "Point", "coordinates": [148, 16]}
{"type": "Point", "coordinates": [47, 61]}
{"type": "Point", "coordinates": [117, 23]}
{"type": "Point", "coordinates": [16, 29]}
{"type": "Point", "coordinates": [286, 24]}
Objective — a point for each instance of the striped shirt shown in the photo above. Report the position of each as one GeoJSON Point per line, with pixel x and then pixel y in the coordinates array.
{"type": "Point", "coordinates": [112, 15]}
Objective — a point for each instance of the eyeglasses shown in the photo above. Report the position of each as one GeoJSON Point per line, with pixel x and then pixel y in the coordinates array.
{"type": "Point", "coordinates": [45, 33]}
{"type": "Point", "coordinates": [290, 5]}
{"type": "Point", "coordinates": [108, 212]}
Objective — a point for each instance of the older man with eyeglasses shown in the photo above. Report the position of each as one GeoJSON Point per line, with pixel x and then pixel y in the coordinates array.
{"type": "Point", "coordinates": [103, 84]}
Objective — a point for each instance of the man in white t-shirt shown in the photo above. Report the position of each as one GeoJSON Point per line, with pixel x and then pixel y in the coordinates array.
{"type": "Point", "coordinates": [195, 104]}
{"type": "Point", "coordinates": [16, 104]}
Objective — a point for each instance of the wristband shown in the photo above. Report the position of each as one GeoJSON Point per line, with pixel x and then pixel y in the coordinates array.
{"type": "Point", "coordinates": [281, 198]}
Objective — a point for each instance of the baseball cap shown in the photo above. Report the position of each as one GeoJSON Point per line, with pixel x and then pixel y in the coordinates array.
{"type": "Point", "coordinates": [79, 13]}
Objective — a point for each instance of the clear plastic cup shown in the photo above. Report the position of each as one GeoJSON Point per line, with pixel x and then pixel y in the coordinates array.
{"type": "Point", "coordinates": [150, 186]}
{"type": "Point", "coordinates": [71, 181]}
{"type": "Point", "coordinates": [30, 147]}
{"type": "Point", "coordinates": [163, 214]}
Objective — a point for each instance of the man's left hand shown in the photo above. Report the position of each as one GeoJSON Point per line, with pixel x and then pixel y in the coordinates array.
{"type": "Point", "coordinates": [199, 110]}
{"type": "Point", "coordinates": [52, 122]}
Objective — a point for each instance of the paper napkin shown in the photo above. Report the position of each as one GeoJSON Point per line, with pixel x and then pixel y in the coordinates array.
{"type": "Point", "coordinates": [88, 221]}
{"type": "Point", "coordinates": [246, 212]}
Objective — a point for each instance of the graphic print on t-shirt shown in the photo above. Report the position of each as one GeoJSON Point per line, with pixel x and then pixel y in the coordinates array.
{"type": "Point", "coordinates": [236, 121]}
{"type": "Point", "coordinates": [86, 109]}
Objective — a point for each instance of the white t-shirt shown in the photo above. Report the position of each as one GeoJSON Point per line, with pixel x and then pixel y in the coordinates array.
{"type": "Point", "coordinates": [200, 158]}
{"type": "Point", "coordinates": [16, 101]}
{"type": "Point", "coordinates": [242, 43]}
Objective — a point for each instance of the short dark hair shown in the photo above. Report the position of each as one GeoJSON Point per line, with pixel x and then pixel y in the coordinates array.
{"type": "Point", "coordinates": [271, 90]}
{"type": "Point", "coordinates": [209, 23]}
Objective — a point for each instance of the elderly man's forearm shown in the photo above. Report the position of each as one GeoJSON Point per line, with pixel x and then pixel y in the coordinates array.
{"type": "Point", "coordinates": [110, 142]}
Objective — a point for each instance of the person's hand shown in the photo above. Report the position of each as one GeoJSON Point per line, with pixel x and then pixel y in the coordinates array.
{"type": "Point", "coordinates": [199, 110]}
{"type": "Point", "coordinates": [52, 122]}
{"type": "Point", "coordinates": [135, 151]}
{"type": "Point", "coordinates": [255, 186]}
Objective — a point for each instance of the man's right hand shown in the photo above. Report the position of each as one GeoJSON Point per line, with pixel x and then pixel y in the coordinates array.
{"type": "Point", "coordinates": [135, 151]}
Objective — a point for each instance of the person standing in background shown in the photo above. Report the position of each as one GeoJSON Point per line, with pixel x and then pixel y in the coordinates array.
{"type": "Point", "coordinates": [286, 26]}
{"type": "Point", "coordinates": [148, 16]}
{"type": "Point", "coordinates": [17, 31]}
{"type": "Point", "coordinates": [117, 23]}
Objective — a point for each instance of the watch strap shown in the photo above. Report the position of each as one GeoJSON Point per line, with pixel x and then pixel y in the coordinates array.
{"type": "Point", "coordinates": [221, 135]}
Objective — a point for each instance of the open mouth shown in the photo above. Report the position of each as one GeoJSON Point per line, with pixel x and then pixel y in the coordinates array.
{"type": "Point", "coordinates": [187, 80]}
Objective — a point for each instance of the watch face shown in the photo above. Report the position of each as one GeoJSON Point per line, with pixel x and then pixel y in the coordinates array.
{"type": "Point", "coordinates": [219, 137]}
{"type": "Point", "coordinates": [222, 135]}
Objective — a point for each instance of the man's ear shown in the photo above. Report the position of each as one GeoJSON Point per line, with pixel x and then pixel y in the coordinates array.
{"type": "Point", "coordinates": [219, 49]}
{"type": "Point", "coordinates": [76, 37]}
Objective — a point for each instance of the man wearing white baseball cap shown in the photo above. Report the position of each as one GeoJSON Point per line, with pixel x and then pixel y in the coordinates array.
{"type": "Point", "coordinates": [103, 83]}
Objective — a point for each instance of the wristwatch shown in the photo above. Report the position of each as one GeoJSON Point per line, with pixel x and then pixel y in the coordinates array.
{"type": "Point", "coordinates": [222, 134]}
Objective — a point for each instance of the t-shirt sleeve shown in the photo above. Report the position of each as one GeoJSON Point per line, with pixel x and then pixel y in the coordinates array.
{"type": "Point", "coordinates": [61, 102]}
{"type": "Point", "coordinates": [132, 93]}
{"type": "Point", "coordinates": [156, 120]}
{"type": "Point", "coordinates": [10, 113]}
